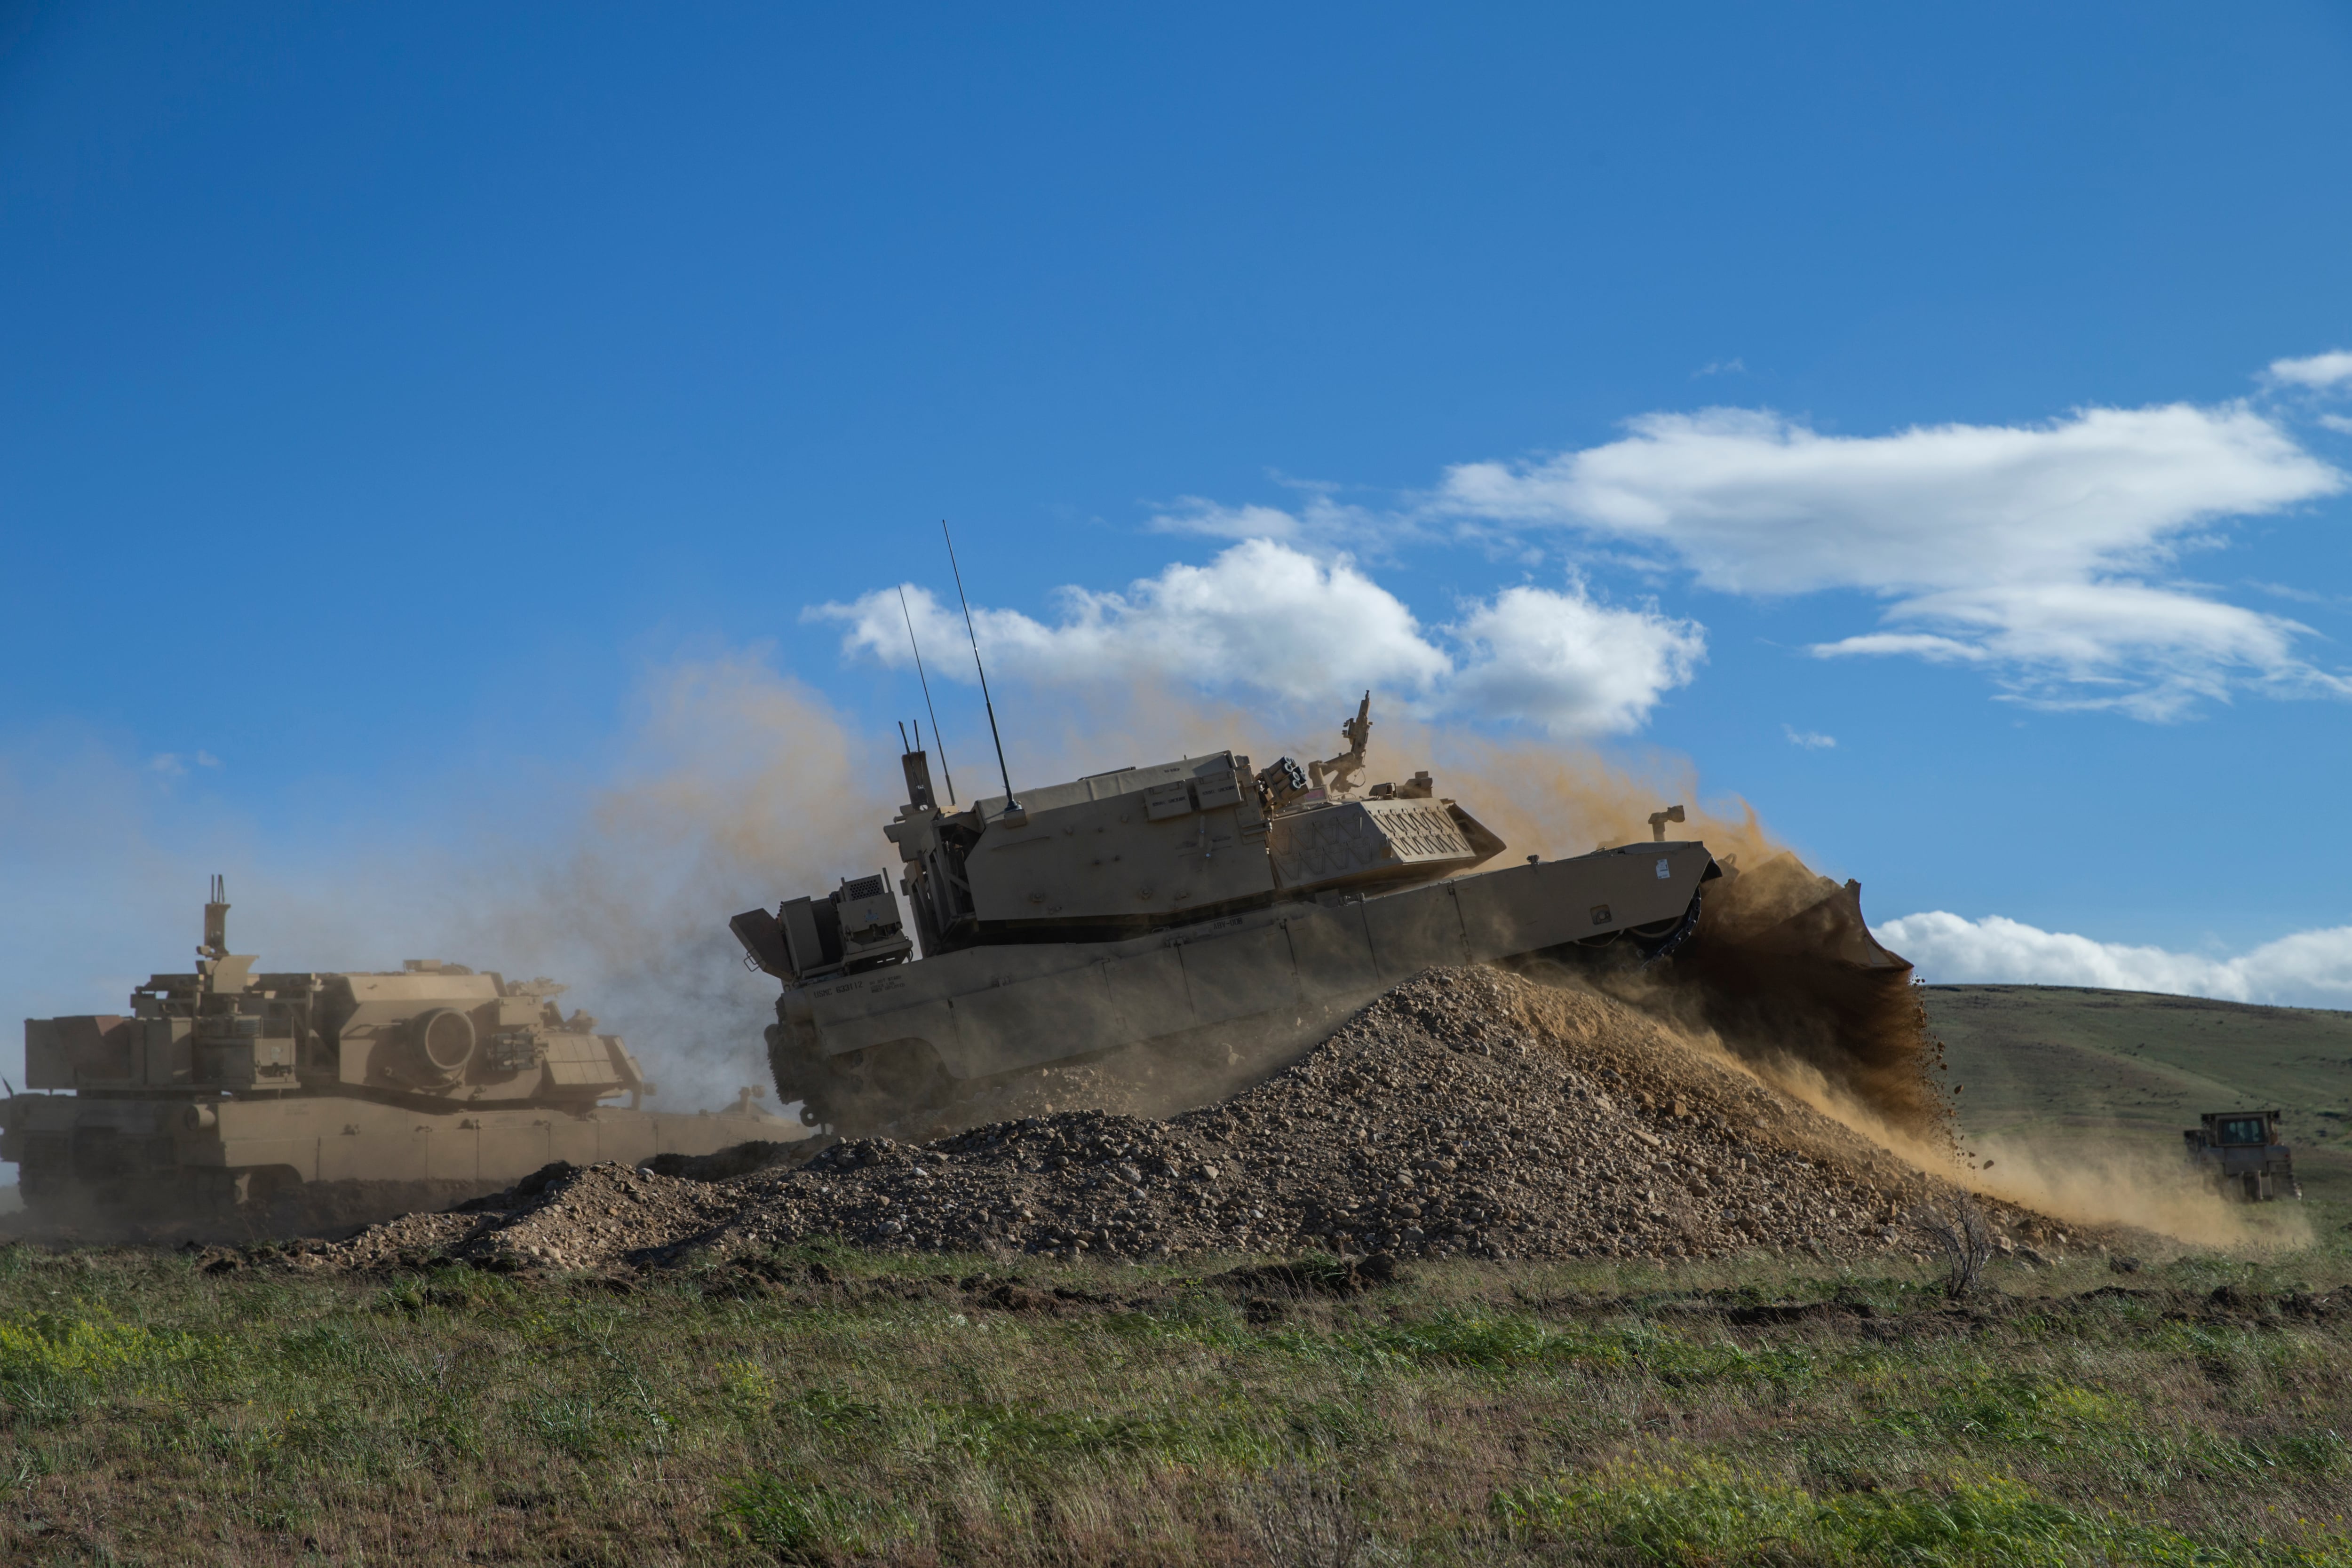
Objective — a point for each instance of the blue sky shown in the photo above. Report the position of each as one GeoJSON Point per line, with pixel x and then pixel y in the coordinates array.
{"type": "Point", "coordinates": [428, 438]}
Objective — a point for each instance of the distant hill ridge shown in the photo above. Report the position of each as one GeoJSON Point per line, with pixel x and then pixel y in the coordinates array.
{"type": "Point", "coordinates": [2048, 1062]}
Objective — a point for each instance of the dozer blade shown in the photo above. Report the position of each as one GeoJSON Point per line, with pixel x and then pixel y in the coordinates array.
{"type": "Point", "coordinates": [1784, 966]}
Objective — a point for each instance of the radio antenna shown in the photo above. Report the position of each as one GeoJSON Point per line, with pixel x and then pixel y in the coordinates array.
{"type": "Point", "coordinates": [948, 772]}
{"type": "Point", "coordinates": [1011, 805]}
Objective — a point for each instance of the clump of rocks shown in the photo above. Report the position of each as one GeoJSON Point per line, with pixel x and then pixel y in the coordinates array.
{"type": "Point", "coordinates": [561, 1218]}
{"type": "Point", "coordinates": [1466, 1112]}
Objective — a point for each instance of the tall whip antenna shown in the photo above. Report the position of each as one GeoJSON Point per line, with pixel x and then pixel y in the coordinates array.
{"type": "Point", "coordinates": [935, 738]}
{"type": "Point", "coordinates": [1010, 804]}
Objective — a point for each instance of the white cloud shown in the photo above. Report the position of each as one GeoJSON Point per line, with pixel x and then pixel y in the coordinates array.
{"type": "Point", "coordinates": [1261, 614]}
{"type": "Point", "coordinates": [1810, 740]}
{"type": "Point", "coordinates": [1760, 505]}
{"type": "Point", "coordinates": [2318, 371]}
{"type": "Point", "coordinates": [1721, 368]}
{"type": "Point", "coordinates": [1569, 665]}
{"type": "Point", "coordinates": [2029, 549]}
{"type": "Point", "coordinates": [2309, 968]}
{"type": "Point", "coordinates": [1264, 616]}
{"type": "Point", "coordinates": [2337, 422]}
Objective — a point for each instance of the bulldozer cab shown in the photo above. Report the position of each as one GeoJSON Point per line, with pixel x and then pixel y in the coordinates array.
{"type": "Point", "coordinates": [2240, 1155]}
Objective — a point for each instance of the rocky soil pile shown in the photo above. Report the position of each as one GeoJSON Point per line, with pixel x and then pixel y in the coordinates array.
{"type": "Point", "coordinates": [1465, 1113]}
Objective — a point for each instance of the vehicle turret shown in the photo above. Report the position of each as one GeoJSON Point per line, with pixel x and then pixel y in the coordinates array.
{"type": "Point", "coordinates": [1124, 854]}
{"type": "Point", "coordinates": [431, 1030]}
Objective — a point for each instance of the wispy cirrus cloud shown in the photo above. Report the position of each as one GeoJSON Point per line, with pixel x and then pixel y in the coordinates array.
{"type": "Point", "coordinates": [1320, 524]}
{"type": "Point", "coordinates": [172, 765]}
{"type": "Point", "coordinates": [2320, 373]}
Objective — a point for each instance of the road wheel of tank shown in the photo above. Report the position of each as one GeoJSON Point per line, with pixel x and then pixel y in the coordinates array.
{"type": "Point", "coordinates": [45, 1198]}
{"type": "Point", "coordinates": [908, 1073]}
{"type": "Point", "coordinates": [796, 1079]}
{"type": "Point", "coordinates": [890, 1088]}
{"type": "Point", "coordinates": [268, 1192]}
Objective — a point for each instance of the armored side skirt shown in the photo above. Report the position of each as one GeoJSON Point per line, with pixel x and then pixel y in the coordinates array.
{"type": "Point", "coordinates": [1283, 970]}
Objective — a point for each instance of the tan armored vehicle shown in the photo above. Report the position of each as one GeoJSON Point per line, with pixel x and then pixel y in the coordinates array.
{"type": "Point", "coordinates": [2239, 1154]}
{"type": "Point", "coordinates": [228, 1087]}
{"type": "Point", "coordinates": [1196, 909]}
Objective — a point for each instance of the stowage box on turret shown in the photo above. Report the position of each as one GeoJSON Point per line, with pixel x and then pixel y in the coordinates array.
{"type": "Point", "coordinates": [227, 1086]}
{"type": "Point", "coordinates": [1183, 907]}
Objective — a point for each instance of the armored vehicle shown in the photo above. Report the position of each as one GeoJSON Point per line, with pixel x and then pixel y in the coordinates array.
{"type": "Point", "coordinates": [230, 1087]}
{"type": "Point", "coordinates": [2239, 1154]}
{"type": "Point", "coordinates": [1192, 909]}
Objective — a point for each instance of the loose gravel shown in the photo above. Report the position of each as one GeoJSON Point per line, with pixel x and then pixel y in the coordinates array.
{"type": "Point", "coordinates": [1466, 1112]}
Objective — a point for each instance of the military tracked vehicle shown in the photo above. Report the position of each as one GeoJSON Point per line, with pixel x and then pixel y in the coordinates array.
{"type": "Point", "coordinates": [230, 1089]}
{"type": "Point", "coordinates": [1199, 909]}
{"type": "Point", "coordinates": [2240, 1155]}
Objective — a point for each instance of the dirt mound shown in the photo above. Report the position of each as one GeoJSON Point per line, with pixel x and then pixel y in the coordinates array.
{"type": "Point", "coordinates": [575, 1218]}
{"type": "Point", "coordinates": [1465, 1113]}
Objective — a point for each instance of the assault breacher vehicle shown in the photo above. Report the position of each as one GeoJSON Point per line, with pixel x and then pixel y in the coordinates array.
{"type": "Point", "coordinates": [1179, 909]}
{"type": "Point", "coordinates": [228, 1087]}
{"type": "Point", "coordinates": [2240, 1155]}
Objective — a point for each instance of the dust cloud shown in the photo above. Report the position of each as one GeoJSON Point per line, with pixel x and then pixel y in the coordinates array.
{"type": "Point", "coordinates": [734, 785]}
{"type": "Point", "coordinates": [729, 786]}
{"type": "Point", "coordinates": [2083, 1180]}
{"type": "Point", "coordinates": [2107, 1185]}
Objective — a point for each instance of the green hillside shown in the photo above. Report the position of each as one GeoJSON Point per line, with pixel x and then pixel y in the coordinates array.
{"type": "Point", "coordinates": [2066, 1062]}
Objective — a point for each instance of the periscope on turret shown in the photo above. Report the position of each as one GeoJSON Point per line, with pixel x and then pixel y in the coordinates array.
{"type": "Point", "coordinates": [229, 1086]}
{"type": "Point", "coordinates": [1172, 907]}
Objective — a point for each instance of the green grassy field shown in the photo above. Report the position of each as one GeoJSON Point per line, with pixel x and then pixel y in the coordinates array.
{"type": "Point", "coordinates": [2056, 1062]}
{"type": "Point", "coordinates": [822, 1406]}
{"type": "Point", "coordinates": [836, 1407]}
